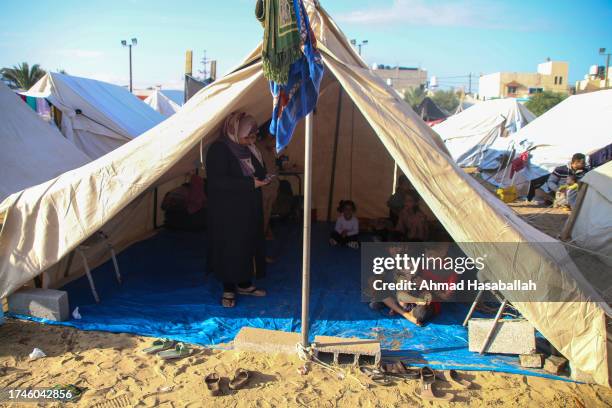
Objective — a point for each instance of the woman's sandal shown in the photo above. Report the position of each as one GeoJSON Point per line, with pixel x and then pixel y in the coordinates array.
{"type": "Point", "coordinates": [251, 291]}
{"type": "Point", "coordinates": [213, 384]}
{"type": "Point", "coordinates": [160, 345]}
{"type": "Point", "coordinates": [241, 377]}
{"type": "Point", "coordinates": [181, 350]}
{"type": "Point", "coordinates": [399, 369]}
{"type": "Point", "coordinates": [228, 299]}
{"type": "Point", "coordinates": [428, 378]}
{"type": "Point", "coordinates": [375, 375]}
{"type": "Point", "coordinates": [453, 377]}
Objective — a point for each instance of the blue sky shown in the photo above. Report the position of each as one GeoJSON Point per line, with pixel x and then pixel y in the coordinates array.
{"type": "Point", "coordinates": [448, 38]}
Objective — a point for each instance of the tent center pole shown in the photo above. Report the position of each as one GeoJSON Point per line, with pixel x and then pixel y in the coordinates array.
{"type": "Point", "coordinates": [307, 225]}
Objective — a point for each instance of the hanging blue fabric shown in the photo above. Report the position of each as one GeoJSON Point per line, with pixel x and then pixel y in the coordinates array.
{"type": "Point", "coordinates": [294, 100]}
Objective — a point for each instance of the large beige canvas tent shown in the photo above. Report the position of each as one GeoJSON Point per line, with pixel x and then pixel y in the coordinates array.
{"type": "Point", "coordinates": [114, 193]}
{"type": "Point", "coordinates": [592, 226]}
{"type": "Point", "coordinates": [96, 116]}
{"type": "Point", "coordinates": [32, 151]}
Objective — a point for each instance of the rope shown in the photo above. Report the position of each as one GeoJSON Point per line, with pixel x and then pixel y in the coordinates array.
{"type": "Point", "coordinates": [307, 354]}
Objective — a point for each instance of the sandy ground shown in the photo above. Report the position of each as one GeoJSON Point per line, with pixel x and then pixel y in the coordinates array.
{"type": "Point", "coordinates": [116, 373]}
{"type": "Point", "coordinates": [546, 219]}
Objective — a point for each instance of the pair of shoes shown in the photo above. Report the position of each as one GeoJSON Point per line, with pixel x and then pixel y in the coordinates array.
{"type": "Point", "coordinates": [213, 382]}
{"type": "Point", "coordinates": [167, 349]}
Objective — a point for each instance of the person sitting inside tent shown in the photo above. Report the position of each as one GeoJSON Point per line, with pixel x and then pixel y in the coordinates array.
{"type": "Point", "coordinates": [420, 306]}
{"type": "Point", "coordinates": [346, 231]}
{"type": "Point", "coordinates": [411, 224]}
{"type": "Point", "coordinates": [577, 168]}
{"type": "Point", "coordinates": [396, 201]}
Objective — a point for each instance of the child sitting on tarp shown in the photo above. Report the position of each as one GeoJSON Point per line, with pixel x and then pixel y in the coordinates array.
{"type": "Point", "coordinates": [411, 224]}
{"type": "Point", "coordinates": [346, 231]}
{"type": "Point", "coordinates": [565, 196]}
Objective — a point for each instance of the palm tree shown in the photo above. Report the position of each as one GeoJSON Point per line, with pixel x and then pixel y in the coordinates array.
{"type": "Point", "coordinates": [414, 96]}
{"type": "Point", "coordinates": [22, 76]}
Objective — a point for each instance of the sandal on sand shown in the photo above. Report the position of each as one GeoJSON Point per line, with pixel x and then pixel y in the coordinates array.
{"type": "Point", "coordinates": [251, 291]}
{"type": "Point", "coordinates": [179, 351]}
{"type": "Point", "coordinates": [376, 375]}
{"type": "Point", "coordinates": [213, 384]}
{"type": "Point", "coordinates": [399, 369]}
{"type": "Point", "coordinates": [428, 378]}
{"type": "Point", "coordinates": [453, 377]}
{"type": "Point", "coordinates": [241, 377]}
{"type": "Point", "coordinates": [228, 299]}
{"type": "Point", "coordinates": [160, 345]}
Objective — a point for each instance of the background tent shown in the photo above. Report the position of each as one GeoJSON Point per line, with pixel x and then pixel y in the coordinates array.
{"type": "Point", "coordinates": [481, 134]}
{"type": "Point", "coordinates": [162, 104]}
{"type": "Point", "coordinates": [107, 193]}
{"type": "Point", "coordinates": [96, 116]}
{"type": "Point", "coordinates": [430, 112]}
{"type": "Point", "coordinates": [592, 228]}
{"type": "Point", "coordinates": [580, 124]}
{"type": "Point", "coordinates": [32, 151]}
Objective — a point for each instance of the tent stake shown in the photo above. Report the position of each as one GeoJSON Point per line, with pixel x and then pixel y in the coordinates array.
{"type": "Point", "coordinates": [307, 224]}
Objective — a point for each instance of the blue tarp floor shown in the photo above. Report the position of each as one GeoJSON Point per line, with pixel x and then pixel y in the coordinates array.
{"type": "Point", "coordinates": [166, 293]}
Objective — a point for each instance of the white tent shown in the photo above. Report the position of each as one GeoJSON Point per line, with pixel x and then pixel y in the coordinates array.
{"type": "Point", "coordinates": [377, 129]}
{"type": "Point", "coordinates": [592, 227]}
{"type": "Point", "coordinates": [162, 104]}
{"type": "Point", "coordinates": [481, 134]}
{"type": "Point", "coordinates": [579, 124]}
{"type": "Point", "coordinates": [31, 150]}
{"type": "Point", "coordinates": [97, 116]}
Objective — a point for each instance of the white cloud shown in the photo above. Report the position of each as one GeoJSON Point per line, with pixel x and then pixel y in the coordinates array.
{"type": "Point", "coordinates": [476, 13]}
{"type": "Point", "coordinates": [79, 53]}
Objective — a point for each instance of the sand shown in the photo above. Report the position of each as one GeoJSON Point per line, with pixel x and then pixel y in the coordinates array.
{"type": "Point", "coordinates": [116, 373]}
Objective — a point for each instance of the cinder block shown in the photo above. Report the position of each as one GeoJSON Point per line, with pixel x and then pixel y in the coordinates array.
{"type": "Point", "coordinates": [347, 348]}
{"type": "Point", "coordinates": [42, 303]}
{"type": "Point", "coordinates": [266, 341]}
{"type": "Point", "coordinates": [555, 364]}
{"type": "Point", "coordinates": [531, 360]}
{"type": "Point", "coordinates": [516, 336]}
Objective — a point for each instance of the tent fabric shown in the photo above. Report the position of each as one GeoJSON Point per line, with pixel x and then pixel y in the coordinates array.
{"type": "Point", "coordinates": [593, 226]}
{"type": "Point", "coordinates": [162, 104]}
{"type": "Point", "coordinates": [579, 124]}
{"type": "Point", "coordinates": [97, 116]}
{"type": "Point", "coordinates": [45, 223]}
{"type": "Point", "coordinates": [429, 111]}
{"type": "Point", "coordinates": [480, 135]}
{"type": "Point", "coordinates": [32, 151]}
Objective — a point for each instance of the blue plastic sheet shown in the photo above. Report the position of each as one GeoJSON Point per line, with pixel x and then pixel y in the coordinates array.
{"type": "Point", "coordinates": [166, 293]}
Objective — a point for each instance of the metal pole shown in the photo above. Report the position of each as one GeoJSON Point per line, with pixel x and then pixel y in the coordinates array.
{"type": "Point", "coordinates": [130, 47]}
{"type": "Point", "coordinates": [607, 68]}
{"type": "Point", "coordinates": [306, 239]}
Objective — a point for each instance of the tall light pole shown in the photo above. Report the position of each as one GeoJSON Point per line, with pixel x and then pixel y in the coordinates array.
{"type": "Point", "coordinates": [602, 51]}
{"type": "Point", "coordinates": [130, 45]}
{"type": "Point", "coordinates": [359, 45]}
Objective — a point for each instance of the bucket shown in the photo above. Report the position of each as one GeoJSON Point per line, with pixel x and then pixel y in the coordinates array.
{"type": "Point", "coordinates": [507, 195]}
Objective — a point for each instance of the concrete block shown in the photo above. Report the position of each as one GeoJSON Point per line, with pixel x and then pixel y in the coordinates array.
{"type": "Point", "coordinates": [42, 303]}
{"type": "Point", "coordinates": [347, 350]}
{"type": "Point", "coordinates": [531, 360]}
{"type": "Point", "coordinates": [266, 341]}
{"type": "Point", "coordinates": [555, 364]}
{"type": "Point", "coordinates": [516, 336]}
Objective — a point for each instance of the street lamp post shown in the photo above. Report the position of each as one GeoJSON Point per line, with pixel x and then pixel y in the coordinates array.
{"type": "Point", "coordinates": [359, 45]}
{"type": "Point", "coordinates": [602, 51]}
{"type": "Point", "coordinates": [130, 45]}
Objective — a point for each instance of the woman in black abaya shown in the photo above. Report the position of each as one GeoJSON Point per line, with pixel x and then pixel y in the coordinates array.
{"type": "Point", "coordinates": [236, 174]}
